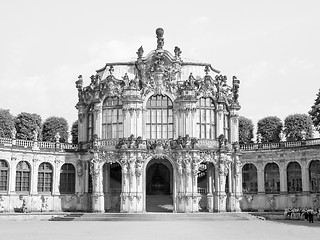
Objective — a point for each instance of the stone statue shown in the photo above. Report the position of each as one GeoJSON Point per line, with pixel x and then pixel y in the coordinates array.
{"type": "Point", "coordinates": [57, 137]}
{"type": "Point", "coordinates": [177, 52]}
{"type": "Point", "coordinates": [259, 138]}
{"type": "Point", "coordinates": [13, 133]}
{"type": "Point", "coordinates": [140, 52]}
{"type": "Point", "coordinates": [35, 135]}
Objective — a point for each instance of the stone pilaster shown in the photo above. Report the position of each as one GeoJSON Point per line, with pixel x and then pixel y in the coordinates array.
{"type": "Point", "coordinates": [97, 186]}
{"type": "Point", "coordinates": [220, 119]}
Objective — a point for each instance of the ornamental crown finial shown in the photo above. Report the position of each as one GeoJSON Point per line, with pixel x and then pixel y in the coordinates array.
{"type": "Point", "coordinates": [160, 39]}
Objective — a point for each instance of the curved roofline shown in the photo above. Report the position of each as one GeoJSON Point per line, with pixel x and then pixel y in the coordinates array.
{"type": "Point", "coordinates": [132, 63]}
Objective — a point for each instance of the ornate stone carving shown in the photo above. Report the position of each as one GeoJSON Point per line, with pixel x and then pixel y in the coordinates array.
{"type": "Point", "coordinates": [79, 168]}
{"type": "Point", "coordinates": [160, 39]}
{"type": "Point", "coordinates": [140, 52]}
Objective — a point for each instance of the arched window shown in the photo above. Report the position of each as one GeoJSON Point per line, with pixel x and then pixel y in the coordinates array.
{"type": "Point", "coordinates": [23, 177]}
{"type": "Point", "coordinates": [314, 173]}
{"type": "Point", "coordinates": [90, 122]}
{"type": "Point", "coordinates": [67, 178]}
{"type": "Point", "coordinates": [4, 169]}
{"type": "Point", "coordinates": [206, 119]}
{"type": "Point", "coordinates": [45, 177]}
{"type": "Point", "coordinates": [272, 178]}
{"type": "Point", "coordinates": [159, 122]}
{"type": "Point", "coordinates": [249, 178]}
{"type": "Point", "coordinates": [294, 181]}
{"type": "Point", "coordinates": [112, 118]}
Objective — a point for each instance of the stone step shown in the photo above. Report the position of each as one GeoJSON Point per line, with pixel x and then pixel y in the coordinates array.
{"type": "Point", "coordinates": [155, 217]}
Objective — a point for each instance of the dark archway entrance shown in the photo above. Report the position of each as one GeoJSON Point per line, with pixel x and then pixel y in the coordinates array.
{"type": "Point", "coordinates": [159, 186]}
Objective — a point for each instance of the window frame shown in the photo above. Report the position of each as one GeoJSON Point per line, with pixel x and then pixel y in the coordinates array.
{"type": "Point", "coordinates": [4, 179]}
{"type": "Point", "coordinates": [20, 185]}
{"type": "Point", "coordinates": [206, 129]}
{"type": "Point", "coordinates": [295, 175]}
{"type": "Point", "coordinates": [275, 175]}
{"type": "Point", "coordinates": [69, 176]}
{"type": "Point", "coordinates": [112, 118]}
{"type": "Point", "coordinates": [252, 176]}
{"type": "Point", "coordinates": [159, 120]}
{"type": "Point", "coordinates": [45, 172]}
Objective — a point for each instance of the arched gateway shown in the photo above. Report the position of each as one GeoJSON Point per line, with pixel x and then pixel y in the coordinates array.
{"type": "Point", "coordinates": [159, 187]}
{"type": "Point", "coordinates": [172, 126]}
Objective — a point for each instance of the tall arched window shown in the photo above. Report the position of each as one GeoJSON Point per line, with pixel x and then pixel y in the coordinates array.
{"type": "Point", "coordinates": [112, 118]}
{"type": "Point", "coordinates": [249, 178]}
{"type": "Point", "coordinates": [314, 173]}
{"type": "Point", "coordinates": [67, 178]}
{"type": "Point", "coordinates": [45, 177]}
{"type": "Point", "coordinates": [294, 181]}
{"type": "Point", "coordinates": [23, 177]}
{"type": "Point", "coordinates": [159, 122]}
{"type": "Point", "coordinates": [90, 122]}
{"type": "Point", "coordinates": [272, 178]}
{"type": "Point", "coordinates": [4, 169]}
{"type": "Point", "coordinates": [206, 119]}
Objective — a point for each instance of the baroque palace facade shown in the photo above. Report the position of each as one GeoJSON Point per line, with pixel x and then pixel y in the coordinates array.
{"type": "Point", "coordinates": [157, 131]}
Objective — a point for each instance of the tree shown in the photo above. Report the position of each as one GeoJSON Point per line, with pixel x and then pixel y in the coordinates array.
{"type": "Point", "coordinates": [6, 123]}
{"type": "Point", "coordinates": [315, 112]}
{"type": "Point", "coordinates": [295, 124]}
{"type": "Point", "coordinates": [52, 126]}
{"type": "Point", "coordinates": [74, 132]}
{"type": "Point", "coordinates": [270, 128]}
{"type": "Point", "coordinates": [26, 124]}
{"type": "Point", "coordinates": [245, 130]}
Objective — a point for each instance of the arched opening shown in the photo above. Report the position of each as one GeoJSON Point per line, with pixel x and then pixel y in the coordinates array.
{"type": "Point", "coordinates": [314, 176]}
{"type": "Point", "coordinates": [249, 178]}
{"type": "Point", "coordinates": [206, 188]}
{"type": "Point", "coordinates": [159, 186]}
{"type": "Point", "coordinates": [294, 179]}
{"type": "Point", "coordinates": [272, 178]}
{"type": "Point", "coordinates": [112, 183]}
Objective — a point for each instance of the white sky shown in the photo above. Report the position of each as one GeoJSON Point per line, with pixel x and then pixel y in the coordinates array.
{"type": "Point", "coordinates": [271, 46]}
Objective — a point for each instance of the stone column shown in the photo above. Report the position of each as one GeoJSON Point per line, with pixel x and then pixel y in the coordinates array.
{"type": "Point", "coordinates": [125, 186]}
{"type": "Point", "coordinates": [210, 181]}
{"type": "Point", "coordinates": [97, 186]}
{"type": "Point", "coordinates": [221, 173]}
{"type": "Point", "coordinates": [220, 120]}
{"type": "Point", "coordinates": [106, 185]}
{"type": "Point", "coordinates": [188, 184]}
{"type": "Point", "coordinates": [234, 126]}
{"type": "Point", "coordinates": [305, 178]}
{"type": "Point", "coordinates": [126, 123]}
{"type": "Point", "coordinates": [12, 176]}
{"type": "Point", "coordinates": [283, 178]}
{"type": "Point", "coordinates": [81, 123]}
{"type": "Point", "coordinates": [260, 172]}
{"type": "Point", "coordinates": [97, 119]}
{"type": "Point", "coordinates": [34, 178]}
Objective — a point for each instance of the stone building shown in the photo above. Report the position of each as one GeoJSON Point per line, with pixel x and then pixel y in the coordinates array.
{"type": "Point", "coordinates": [159, 133]}
{"type": "Point", "coordinates": [280, 175]}
{"type": "Point", "coordinates": [159, 130]}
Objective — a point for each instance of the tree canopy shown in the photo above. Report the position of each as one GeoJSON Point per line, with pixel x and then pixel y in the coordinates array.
{"type": "Point", "coordinates": [315, 112]}
{"type": "Point", "coordinates": [6, 123]}
{"type": "Point", "coordinates": [74, 132]}
{"type": "Point", "coordinates": [26, 124]}
{"type": "Point", "coordinates": [295, 124]}
{"type": "Point", "coordinates": [270, 128]}
{"type": "Point", "coordinates": [245, 130]}
{"type": "Point", "coordinates": [52, 126]}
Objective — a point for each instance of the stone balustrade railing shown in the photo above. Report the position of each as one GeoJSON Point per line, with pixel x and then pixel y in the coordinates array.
{"type": "Point", "coordinates": [36, 144]}
{"type": "Point", "coordinates": [278, 145]}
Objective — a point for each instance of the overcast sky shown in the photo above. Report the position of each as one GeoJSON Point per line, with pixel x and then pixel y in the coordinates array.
{"type": "Point", "coordinates": [271, 46]}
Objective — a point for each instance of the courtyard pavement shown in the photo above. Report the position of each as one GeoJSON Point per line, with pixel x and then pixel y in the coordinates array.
{"type": "Point", "coordinates": [142, 230]}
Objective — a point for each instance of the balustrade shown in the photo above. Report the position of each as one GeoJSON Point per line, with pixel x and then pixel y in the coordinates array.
{"type": "Point", "coordinates": [278, 145]}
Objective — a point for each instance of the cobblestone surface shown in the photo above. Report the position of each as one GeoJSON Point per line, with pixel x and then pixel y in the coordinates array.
{"type": "Point", "coordinates": [240, 229]}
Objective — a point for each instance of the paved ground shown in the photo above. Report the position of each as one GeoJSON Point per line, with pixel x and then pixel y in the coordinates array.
{"type": "Point", "coordinates": [195, 230]}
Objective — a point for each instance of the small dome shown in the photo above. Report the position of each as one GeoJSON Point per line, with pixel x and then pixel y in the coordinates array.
{"type": "Point", "coordinates": [159, 32]}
